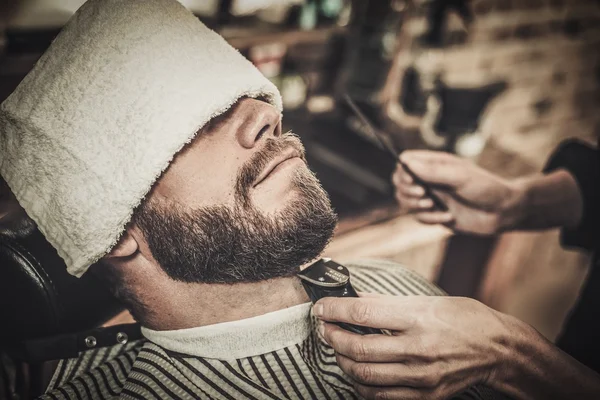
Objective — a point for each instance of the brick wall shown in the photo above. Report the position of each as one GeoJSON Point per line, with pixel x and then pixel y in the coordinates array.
{"type": "Point", "coordinates": [548, 51]}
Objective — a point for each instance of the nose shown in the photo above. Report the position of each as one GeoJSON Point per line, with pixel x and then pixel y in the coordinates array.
{"type": "Point", "coordinates": [262, 122]}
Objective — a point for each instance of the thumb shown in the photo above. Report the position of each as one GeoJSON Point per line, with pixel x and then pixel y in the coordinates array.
{"type": "Point", "coordinates": [436, 167]}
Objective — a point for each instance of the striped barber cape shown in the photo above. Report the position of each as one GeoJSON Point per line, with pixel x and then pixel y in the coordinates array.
{"type": "Point", "coordinates": [276, 356]}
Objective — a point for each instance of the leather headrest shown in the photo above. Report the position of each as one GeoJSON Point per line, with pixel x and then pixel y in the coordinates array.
{"type": "Point", "coordinates": [39, 298]}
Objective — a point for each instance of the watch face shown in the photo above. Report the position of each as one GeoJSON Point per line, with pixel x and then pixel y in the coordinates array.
{"type": "Point", "coordinates": [325, 273]}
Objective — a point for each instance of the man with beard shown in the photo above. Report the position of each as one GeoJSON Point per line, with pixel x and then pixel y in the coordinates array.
{"type": "Point", "coordinates": [150, 152]}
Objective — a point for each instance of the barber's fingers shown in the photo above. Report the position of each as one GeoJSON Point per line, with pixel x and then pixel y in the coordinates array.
{"type": "Point", "coordinates": [415, 205]}
{"type": "Point", "coordinates": [431, 214]}
{"type": "Point", "coordinates": [410, 196]}
{"type": "Point", "coordinates": [412, 199]}
{"type": "Point", "coordinates": [364, 348]}
{"type": "Point", "coordinates": [435, 217]}
{"type": "Point", "coordinates": [424, 210]}
{"type": "Point", "coordinates": [436, 167]}
{"type": "Point", "coordinates": [382, 374]}
{"type": "Point", "coordinates": [384, 312]}
{"type": "Point", "coordinates": [388, 374]}
{"type": "Point", "coordinates": [401, 177]}
{"type": "Point", "coordinates": [411, 191]}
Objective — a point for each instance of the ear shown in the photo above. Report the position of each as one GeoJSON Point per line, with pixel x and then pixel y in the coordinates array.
{"type": "Point", "coordinates": [125, 247]}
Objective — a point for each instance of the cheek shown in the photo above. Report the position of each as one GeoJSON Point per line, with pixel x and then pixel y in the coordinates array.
{"type": "Point", "coordinates": [205, 177]}
{"type": "Point", "coordinates": [212, 183]}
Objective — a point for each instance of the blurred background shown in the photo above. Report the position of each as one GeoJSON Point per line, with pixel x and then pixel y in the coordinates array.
{"type": "Point", "coordinates": [501, 82]}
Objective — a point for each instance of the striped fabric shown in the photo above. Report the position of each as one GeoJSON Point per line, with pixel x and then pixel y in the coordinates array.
{"type": "Point", "coordinates": [306, 370]}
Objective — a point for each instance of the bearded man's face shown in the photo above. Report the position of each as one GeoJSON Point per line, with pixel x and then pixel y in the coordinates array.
{"type": "Point", "coordinates": [238, 204]}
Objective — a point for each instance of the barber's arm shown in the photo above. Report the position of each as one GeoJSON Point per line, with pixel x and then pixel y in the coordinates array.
{"type": "Point", "coordinates": [442, 345]}
{"type": "Point", "coordinates": [482, 203]}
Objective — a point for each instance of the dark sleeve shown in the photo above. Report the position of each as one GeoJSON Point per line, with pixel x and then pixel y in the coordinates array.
{"type": "Point", "coordinates": [583, 162]}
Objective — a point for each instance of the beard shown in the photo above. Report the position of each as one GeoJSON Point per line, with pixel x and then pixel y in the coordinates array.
{"type": "Point", "coordinates": [236, 244]}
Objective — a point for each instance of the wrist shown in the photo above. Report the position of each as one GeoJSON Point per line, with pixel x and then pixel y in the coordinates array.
{"type": "Point", "coordinates": [519, 344]}
{"type": "Point", "coordinates": [514, 209]}
{"type": "Point", "coordinates": [573, 201]}
{"type": "Point", "coordinates": [545, 201]}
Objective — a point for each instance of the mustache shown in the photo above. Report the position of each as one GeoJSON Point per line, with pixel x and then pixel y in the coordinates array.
{"type": "Point", "coordinates": [251, 170]}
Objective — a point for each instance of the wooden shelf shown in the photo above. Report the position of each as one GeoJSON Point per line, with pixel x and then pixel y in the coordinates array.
{"type": "Point", "coordinates": [242, 38]}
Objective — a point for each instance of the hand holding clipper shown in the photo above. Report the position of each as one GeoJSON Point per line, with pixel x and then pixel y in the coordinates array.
{"type": "Point", "coordinates": [326, 278]}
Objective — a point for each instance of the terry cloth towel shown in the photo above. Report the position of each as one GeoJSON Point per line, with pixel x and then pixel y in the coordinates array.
{"type": "Point", "coordinates": [124, 86]}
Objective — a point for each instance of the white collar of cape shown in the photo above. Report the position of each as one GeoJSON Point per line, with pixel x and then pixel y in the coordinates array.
{"type": "Point", "coordinates": [239, 339]}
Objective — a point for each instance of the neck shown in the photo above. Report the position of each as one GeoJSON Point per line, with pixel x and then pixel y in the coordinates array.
{"type": "Point", "coordinates": [178, 305]}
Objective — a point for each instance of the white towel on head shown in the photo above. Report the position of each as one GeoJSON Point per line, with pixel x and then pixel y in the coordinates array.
{"type": "Point", "coordinates": [125, 85]}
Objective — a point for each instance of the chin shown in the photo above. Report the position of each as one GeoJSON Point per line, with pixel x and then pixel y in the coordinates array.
{"type": "Point", "coordinates": [275, 203]}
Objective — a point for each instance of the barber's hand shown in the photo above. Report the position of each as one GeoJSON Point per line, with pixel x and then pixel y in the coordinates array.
{"type": "Point", "coordinates": [478, 201]}
{"type": "Point", "coordinates": [440, 345]}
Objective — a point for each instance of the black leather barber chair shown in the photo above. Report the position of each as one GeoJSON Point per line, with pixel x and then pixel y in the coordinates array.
{"type": "Point", "coordinates": [47, 314]}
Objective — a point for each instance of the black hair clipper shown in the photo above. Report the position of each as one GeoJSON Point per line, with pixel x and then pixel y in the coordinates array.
{"type": "Point", "coordinates": [326, 278]}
